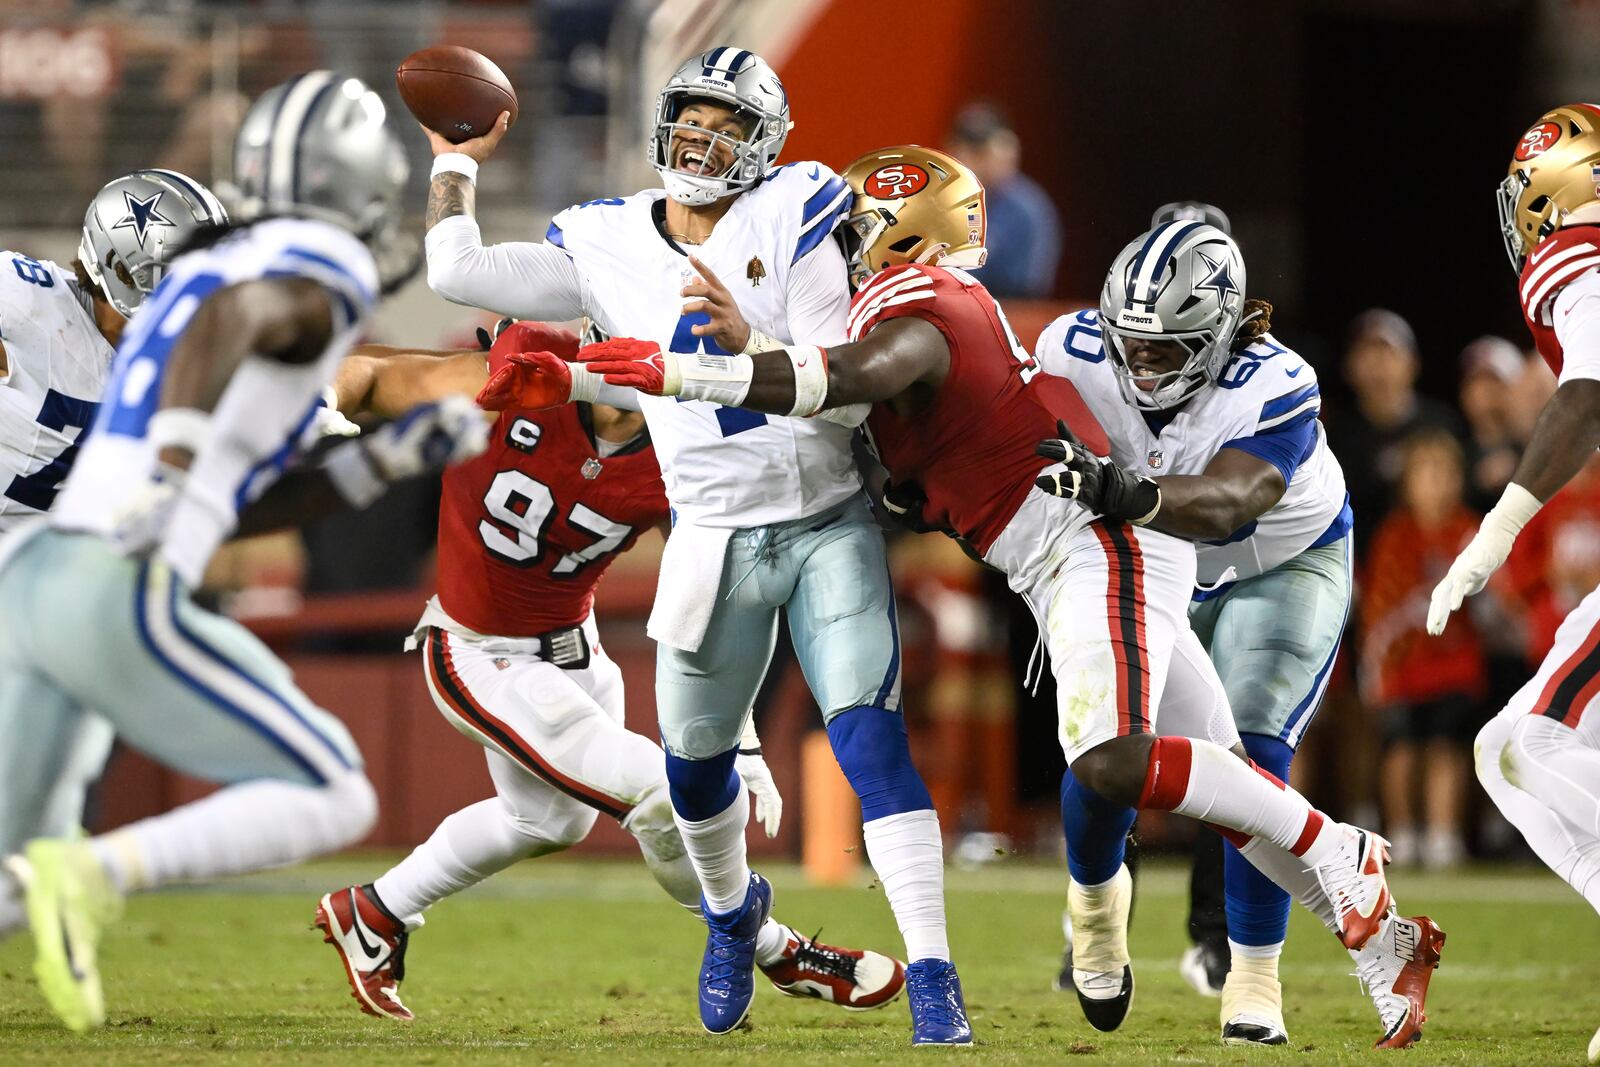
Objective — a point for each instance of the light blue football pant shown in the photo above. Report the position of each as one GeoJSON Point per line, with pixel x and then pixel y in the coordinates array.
{"type": "Point", "coordinates": [89, 633]}
{"type": "Point", "coordinates": [1273, 639]}
{"type": "Point", "coordinates": [829, 574]}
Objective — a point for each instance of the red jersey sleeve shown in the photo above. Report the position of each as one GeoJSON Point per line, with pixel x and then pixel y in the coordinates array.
{"type": "Point", "coordinates": [1559, 260]}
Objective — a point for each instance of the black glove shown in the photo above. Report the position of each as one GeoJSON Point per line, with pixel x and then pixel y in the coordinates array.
{"type": "Point", "coordinates": [904, 503]}
{"type": "Point", "coordinates": [486, 339]}
{"type": "Point", "coordinates": [1096, 482]}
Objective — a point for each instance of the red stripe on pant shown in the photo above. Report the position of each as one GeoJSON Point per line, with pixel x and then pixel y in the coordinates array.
{"type": "Point", "coordinates": [441, 670]}
{"type": "Point", "coordinates": [1574, 684]}
{"type": "Point", "coordinates": [1125, 624]}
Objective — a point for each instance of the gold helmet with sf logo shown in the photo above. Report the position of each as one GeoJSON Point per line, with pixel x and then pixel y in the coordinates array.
{"type": "Point", "coordinates": [1554, 171]}
{"type": "Point", "coordinates": [913, 205]}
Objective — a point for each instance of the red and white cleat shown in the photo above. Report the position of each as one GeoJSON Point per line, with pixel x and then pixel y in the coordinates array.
{"type": "Point", "coordinates": [1395, 968]}
{"type": "Point", "coordinates": [371, 943]}
{"type": "Point", "coordinates": [853, 979]}
{"type": "Point", "coordinates": [1354, 881]}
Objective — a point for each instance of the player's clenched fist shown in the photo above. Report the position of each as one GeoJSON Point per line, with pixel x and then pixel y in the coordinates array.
{"type": "Point", "coordinates": [1096, 482]}
{"type": "Point", "coordinates": [528, 381]}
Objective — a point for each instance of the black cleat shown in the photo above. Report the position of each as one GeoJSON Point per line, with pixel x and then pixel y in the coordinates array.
{"type": "Point", "coordinates": [1106, 1015]}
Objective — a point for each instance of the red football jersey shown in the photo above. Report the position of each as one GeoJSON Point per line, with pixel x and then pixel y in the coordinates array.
{"type": "Point", "coordinates": [527, 529]}
{"type": "Point", "coordinates": [971, 450]}
{"type": "Point", "coordinates": [1559, 259]}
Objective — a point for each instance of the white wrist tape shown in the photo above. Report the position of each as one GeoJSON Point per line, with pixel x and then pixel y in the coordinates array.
{"type": "Point", "coordinates": [454, 163]}
{"type": "Point", "coordinates": [1512, 512]}
{"type": "Point", "coordinates": [810, 379]}
{"type": "Point", "coordinates": [760, 342]}
{"type": "Point", "coordinates": [748, 741]}
{"type": "Point", "coordinates": [585, 383]}
{"type": "Point", "coordinates": [354, 474]}
{"type": "Point", "coordinates": [703, 376]}
{"type": "Point", "coordinates": [185, 428]}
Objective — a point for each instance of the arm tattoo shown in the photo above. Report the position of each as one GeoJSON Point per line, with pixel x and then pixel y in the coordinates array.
{"type": "Point", "coordinates": [449, 194]}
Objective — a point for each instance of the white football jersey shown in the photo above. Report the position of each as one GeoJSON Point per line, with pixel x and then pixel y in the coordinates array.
{"type": "Point", "coordinates": [118, 458]}
{"type": "Point", "coordinates": [728, 467]}
{"type": "Point", "coordinates": [1265, 402]}
{"type": "Point", "coordinates": [56, 368]}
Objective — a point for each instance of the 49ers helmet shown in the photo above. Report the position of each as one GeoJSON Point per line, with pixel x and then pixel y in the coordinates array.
{"type": "Point", "coordinates": [913, 205]}
{"type": "Point", "coordinates": [1554, 171]}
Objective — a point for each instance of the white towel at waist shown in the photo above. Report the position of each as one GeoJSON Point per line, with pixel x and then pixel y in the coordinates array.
{"type": "Point", "coordinates": [686, 592]}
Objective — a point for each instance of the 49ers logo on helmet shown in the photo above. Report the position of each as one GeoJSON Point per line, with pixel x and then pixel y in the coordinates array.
{"type": "Point", "coordinates": [894, 182]}
{"type": "Point", "coordinates": [1537, 140]}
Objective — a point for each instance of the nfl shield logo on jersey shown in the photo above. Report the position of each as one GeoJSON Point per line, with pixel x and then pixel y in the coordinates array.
{"type": "Point", "coordinates": [1153, 459]}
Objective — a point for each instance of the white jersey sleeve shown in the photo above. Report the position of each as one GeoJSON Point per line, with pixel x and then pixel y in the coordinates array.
{"type": "Point", "coordinates": [1575, 315]}
{"type": "Point", "coordinates": [1071, 345]}
{"type": "Point", "coordinates": [517, 278]}
{"type": "Point", "coordinates": [814, 202]}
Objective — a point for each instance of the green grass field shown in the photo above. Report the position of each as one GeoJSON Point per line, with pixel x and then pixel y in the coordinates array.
{"type": "Point", "coordinates": [573, 961]}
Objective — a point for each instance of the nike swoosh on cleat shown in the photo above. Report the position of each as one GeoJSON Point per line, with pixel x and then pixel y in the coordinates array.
{"type": "Point", "coordinates": [361, 929]}
{"type": "Point", "coordinates": [72, 961]}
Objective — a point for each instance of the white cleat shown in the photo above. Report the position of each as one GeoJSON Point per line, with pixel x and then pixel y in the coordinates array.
{"type": "Point", "coordinates": [1252, 1010]}
{"type": "Point", "coordinates": [1102, 971]}
{"type": "Point", "coordinates": [1395, 968]}
{"type": "Point", "coordinates": [1594, 1048]}
{"type": "Point", "coordinates": [1354, 881]}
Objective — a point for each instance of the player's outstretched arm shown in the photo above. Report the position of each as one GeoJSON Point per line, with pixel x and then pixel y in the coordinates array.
{"type": "Point", "coordinates": [800, 380]}
{"type": "Point", "coordinates": [518, 278]}
{"type": "Point", "coordinates": [386, 381]}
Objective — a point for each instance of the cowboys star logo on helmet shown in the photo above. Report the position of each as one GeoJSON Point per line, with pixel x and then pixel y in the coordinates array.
{"type": "Point", "coordinates": [142, 214]}
{"type": "Point", "coordinates": [1218, 280]}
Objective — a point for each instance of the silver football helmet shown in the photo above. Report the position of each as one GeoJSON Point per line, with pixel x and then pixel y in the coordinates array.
{"type": "Point", "coordinates": [737, 78]}
{"type": "Point", "coordinates": [1182, 281]}
{"type": "Point", "coordinates": [135, 225]}
{"type": "Point", "coordinates": [320, 146]}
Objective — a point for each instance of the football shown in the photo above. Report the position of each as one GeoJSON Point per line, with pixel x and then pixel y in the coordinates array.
{"type": "Point", "coordinates": [455, 91]}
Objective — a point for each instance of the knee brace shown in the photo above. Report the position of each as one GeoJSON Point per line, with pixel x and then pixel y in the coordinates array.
{"type": "Point", "coordinates": [871, 747]}
{"type": "Point", "coordinates": [651, 823]}
{"type": "Point", "coordinates": [701, 788]}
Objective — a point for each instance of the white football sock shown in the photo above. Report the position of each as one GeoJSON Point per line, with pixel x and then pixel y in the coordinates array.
{"type": "Point", "coordinates": [771, 943]}
{"type": "Point", "coordinates": [1564, 848]}
{"type": "Point", "coordinates": [467, 847]}
{"type": "Point", "coordinates": [1216, 786]}
{"type": "Point", "coordinates": [1292, 875]}
{"type": "Point", "coordinates": [907, 854]}
{"type": "Point", "coordinates": [244, 827]}
{"type": "Point", "coordinates": [716, 848]}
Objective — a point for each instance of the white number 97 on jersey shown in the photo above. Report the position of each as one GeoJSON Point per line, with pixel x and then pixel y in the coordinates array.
{"type": "Point", "coordinates": [523, 507]}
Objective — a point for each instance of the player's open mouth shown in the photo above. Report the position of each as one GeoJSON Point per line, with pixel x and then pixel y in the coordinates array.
{"type": "Point", "coordinates": [1144, 377]}
{"type": "Point", "coordinates": [693, 158]}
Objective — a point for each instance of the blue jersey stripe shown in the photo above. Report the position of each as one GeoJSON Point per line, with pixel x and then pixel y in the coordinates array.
{"type": "Point", "coordinates": [825, 224]}
{"type": "Point", "coordinates": [821, 199]}
{"type": "Point", "coordinates": [554, 236]}
{"type": "Point", "coordinates": [365, 294]}
{"type": "Point", "coordinates": [1282, 405]}
{"type": "Point", "coordinates": [274, 462]}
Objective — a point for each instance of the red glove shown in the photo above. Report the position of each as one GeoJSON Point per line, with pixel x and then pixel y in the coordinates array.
{"type": "Point", "coordinates": [625, 361]}
{"type": "Point", "coordinates": [531, 337]}
{"type": "Point", "coordinates": [527, 381]}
